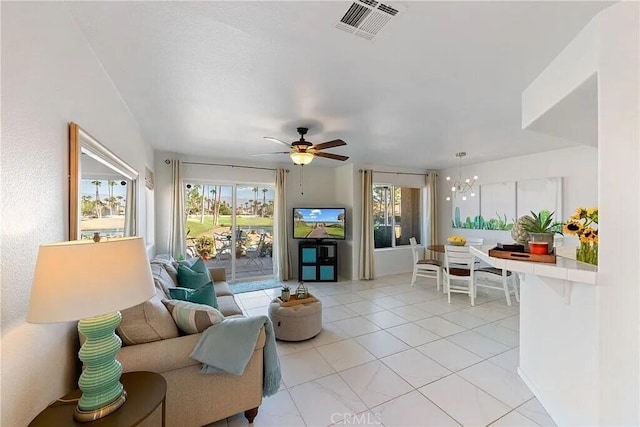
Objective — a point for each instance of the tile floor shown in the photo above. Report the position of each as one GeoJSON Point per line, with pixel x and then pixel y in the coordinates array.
{"type": "Point", "coordinates": [394, 355]}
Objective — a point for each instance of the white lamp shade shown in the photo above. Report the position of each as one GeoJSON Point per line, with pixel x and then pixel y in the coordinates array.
{"type": "Point", "coordinates": [79, 279]}
{"type": "Point", "coordinates": [301, 158]}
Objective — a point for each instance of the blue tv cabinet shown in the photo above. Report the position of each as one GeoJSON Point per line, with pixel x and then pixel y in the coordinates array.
{"type": "Point", "coordinates": [318, 261]}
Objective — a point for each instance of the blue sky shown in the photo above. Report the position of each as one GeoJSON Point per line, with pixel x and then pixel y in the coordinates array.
{"type": "Point", "coordinates": [330, 214]}
{"type": "Point", "coordinates": [244, 193]}
{"type": "Point", "coordinates": [88, 189]}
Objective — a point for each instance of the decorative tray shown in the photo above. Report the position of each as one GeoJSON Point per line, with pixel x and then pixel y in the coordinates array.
{"type": "Point", "coordinates": [523, 256]}
{"type": "Point", "coordinates": [295, 301]}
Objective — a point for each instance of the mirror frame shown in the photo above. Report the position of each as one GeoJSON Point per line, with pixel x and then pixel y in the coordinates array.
{"type": "Point", "coordinates": [79, 139]}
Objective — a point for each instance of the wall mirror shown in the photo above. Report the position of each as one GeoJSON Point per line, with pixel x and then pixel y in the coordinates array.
{"type": "Point", "coordinates": [102, 189]}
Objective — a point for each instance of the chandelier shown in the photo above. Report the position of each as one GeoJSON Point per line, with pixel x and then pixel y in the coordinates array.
{"type": "Point", "coordinates": [461, 187]}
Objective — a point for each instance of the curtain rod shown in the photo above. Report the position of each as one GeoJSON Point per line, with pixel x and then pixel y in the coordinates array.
{"type": "Point", "coordinates": [398, 173]}
{"type": "Point", "coordinates": [167, 161]}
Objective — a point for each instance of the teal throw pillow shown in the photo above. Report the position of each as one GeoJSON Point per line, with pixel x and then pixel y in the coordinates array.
{"type": "Point", "coordinates": [193, 276]}
{"type": "Point", "coordinates": [203, 295]}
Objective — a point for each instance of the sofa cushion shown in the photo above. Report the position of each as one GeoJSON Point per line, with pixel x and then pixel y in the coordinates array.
{"type": "Point", "coordinates": [147, 322]}
{"type": "Point", "coordinates": [203, 295]}
{"type": "Point", "coordinates": [193, 318]}
{"type": "Point", "coordinates": [162, 279]}
{"type": "Point", "coordinates": [222, 289]}
{"type": "Point", "coordinates": [228, 306]}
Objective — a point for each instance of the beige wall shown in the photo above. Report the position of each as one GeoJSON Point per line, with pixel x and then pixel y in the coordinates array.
{"type": "Point", "coordinates": [50, 76]}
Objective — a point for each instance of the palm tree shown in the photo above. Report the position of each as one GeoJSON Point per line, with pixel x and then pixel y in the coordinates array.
{"type": "Point", "coordinates": [255, 200]}
{"type": "Point", "coordinates": [251, 204]}
{"type": "Point", "coordinates": [264, 199]}
{"type": "Point", "coordinates": [119, 204]}
{"type": "Point", "coordinates": [97, 203]}
{"type": "Point", "coordinates": [111, 184]}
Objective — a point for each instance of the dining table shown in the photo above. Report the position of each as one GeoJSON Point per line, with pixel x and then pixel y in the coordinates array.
{"type": "Point", "coordinates": [436, 248]}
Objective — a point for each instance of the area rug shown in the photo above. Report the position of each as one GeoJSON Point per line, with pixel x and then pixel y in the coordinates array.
{"type": "Point", "coordinates": [258, 285]}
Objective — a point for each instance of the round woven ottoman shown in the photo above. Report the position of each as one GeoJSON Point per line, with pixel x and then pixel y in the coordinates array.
{"type": "Point", "coordinates": [297, 322]}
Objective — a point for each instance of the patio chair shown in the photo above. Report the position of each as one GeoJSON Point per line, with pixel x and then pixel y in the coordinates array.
{"type": "Point", "coordinates": [253, 252]}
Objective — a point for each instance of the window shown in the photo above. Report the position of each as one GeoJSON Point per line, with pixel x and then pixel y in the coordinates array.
{"type": "Point", "coordinates": [396, 215]}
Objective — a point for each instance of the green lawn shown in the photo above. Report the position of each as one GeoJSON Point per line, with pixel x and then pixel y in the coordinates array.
{"type": "Point", "coordinates": [197, 228]}
{"type": "Point", "coordinates": [301, 229]}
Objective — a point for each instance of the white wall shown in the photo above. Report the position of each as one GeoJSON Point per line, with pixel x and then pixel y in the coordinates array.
{"type": "Point", "coordinates": [49, 77]}
{"type": "Point", "coordinates": [577, 166]}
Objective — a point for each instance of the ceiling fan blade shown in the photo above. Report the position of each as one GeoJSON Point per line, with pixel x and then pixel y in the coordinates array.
{"type": "Point", "coordinates": [269, 154]}
{"type": "Point", "coordinates": [270, 138]}
{"type": "Point", "coordinates": [329, 144]}
{"type": "Point", "coordinates": [331, 156]}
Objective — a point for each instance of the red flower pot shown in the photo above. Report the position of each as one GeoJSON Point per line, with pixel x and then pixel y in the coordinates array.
{"type": "Point", "coordinates": [539, 248]}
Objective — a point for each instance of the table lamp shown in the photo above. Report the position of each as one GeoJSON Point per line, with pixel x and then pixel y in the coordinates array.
{"type": "Point", "coordinates": [90, 281]}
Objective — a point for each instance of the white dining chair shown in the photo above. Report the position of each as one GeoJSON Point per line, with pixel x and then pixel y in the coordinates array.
{"type": "Point", "coordinates": [458, 271]}
{"type": "Point", "coordinates": [430, 268]}
{"type": "Point", "coordinates": [497, 278]}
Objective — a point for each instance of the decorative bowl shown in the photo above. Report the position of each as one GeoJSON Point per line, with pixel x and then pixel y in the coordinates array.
{"type": "Point", "coordinates": [456, 241]}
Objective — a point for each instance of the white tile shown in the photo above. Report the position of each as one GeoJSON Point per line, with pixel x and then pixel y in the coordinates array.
{"type": "Point", "coordinates": [514, 419]}
{"type": "Point", "coordinates": [506, 336]}
{"type": "Point", "coordinates": [536, 412]}
{"type": "Point", "coordinates": [366, 418]}
{"type": "Point", "coordinates": [375, 383]}
{"type": "Point", "coordinates": [465, 402]}
{"type": "Point", "coordinates": [412, 334]}
{"type": "Point", "coordinates": [478, 344]}
{"type": "Point", "coordinates": [397, 289]}
{"type": "Point", "coordinates": [349, 298]}
{"type": "Point", "coordinates": [501, 383]}
{"type": "Point", "coordinates": [485, 313]}
{"type": "Point", "coordinates": [449, 355]}
{"type": "Point", "coordinates": [512, 322]}
{"type": "Point", "coordinates": [440, 326]}
{"type": "Point", "coordinates": [331, 314]}
{"type": "Point", "coordinates": [463, 319]}
{"type": "Point", "coordinates": [370, 294]}
{"type": "Point", "coordinates": [329, 301]}
{"type": "Point", "coordinates": [276, 410]}
{"type": "Point", "coordinates": [244, 296]}
{"type": "Point", "coordinates": [411, 313]}
{"type": "Point", "coordinates": [415, 368]}
{"type": "Point", "coordinates": [436, 307]}
{"type": "Point", "coordinates": [286, 347]}
{"type": "Point", "coordinates": [508, 360]}
{"type": "Point", "coordinates": [381, 343]}
{"type": "Point", "coordinates": [345, 354]}
{"type": "Point", "coordinates": [385, 319]}
{"type": "Point", "coordinates": [364, 307]}
{"type": "Point", "coordinates": [412, 409]}
{"type": "Point", "coordinates": [326, 401]}
{"type": "Point", "coordinates": [259, 311]}
{"type": "Point", "coordinates": [388, 303]}
{"type": "Point", "coordinates": [356, 326]}
{"type": "Point", "coordinates": [260, 301]}
{"type": "Point", "coordinates": [330, 333]}
{"type": "Point", "coordinates": [303, 366]}
{"type": "Point", "coordinates": [412, 297]}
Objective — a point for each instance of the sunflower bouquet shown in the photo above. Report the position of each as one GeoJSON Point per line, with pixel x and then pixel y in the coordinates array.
{"type": "Point", "coordinates": [583, 224]}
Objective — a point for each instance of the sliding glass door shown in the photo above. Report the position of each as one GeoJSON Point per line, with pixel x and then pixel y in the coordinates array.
{"type": "Point", "coordinates": [231, 226]}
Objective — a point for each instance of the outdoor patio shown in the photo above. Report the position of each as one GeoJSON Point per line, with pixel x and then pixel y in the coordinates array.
{"type": "Point", "coordinates": [247, 268]}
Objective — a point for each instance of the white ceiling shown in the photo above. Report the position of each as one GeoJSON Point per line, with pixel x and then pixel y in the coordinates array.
{"type": "Point", "coordinates": [213, 78]}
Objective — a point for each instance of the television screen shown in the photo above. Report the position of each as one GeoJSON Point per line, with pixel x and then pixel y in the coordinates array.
{"type": "Point", "coordinates": [318, 223]}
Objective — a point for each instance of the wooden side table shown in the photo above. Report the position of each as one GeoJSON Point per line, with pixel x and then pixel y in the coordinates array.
{"type": "Point", "coordinates": [145, 392]}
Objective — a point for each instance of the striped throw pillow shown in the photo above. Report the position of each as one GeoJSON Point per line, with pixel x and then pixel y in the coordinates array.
{"type": "Point", "coordinates": [193, 318]}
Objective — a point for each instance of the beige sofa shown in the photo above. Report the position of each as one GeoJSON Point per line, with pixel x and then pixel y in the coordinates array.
{"type": "Point", "coordinates": [193, 398]}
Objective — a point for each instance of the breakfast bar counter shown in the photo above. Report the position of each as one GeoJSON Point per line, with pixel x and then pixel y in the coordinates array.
{"type": "Point", "coordinates": [558, 334]}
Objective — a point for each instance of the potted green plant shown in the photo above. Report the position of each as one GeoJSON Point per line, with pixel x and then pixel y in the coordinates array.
{"type": "Point", "coordinates": [542, 228]}
{"type": "Point", "coordinates": [285, 294]}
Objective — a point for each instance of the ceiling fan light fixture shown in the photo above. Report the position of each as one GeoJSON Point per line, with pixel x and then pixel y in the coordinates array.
{"type": "Point", "coordinates": [301, 158]}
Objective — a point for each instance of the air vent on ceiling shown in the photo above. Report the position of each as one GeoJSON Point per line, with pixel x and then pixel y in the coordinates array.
{"type": "Point", "coordinates": [365, 18]}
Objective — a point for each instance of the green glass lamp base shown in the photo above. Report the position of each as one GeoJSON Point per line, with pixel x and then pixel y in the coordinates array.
{"type": "Point", "coordinates": [102, 392]}
{"type": "Point", "coordinates": [94, 414]}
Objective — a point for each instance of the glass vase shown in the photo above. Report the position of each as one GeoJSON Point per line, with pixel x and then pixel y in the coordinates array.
{"type": "Point", "coordinates": [587, 252]}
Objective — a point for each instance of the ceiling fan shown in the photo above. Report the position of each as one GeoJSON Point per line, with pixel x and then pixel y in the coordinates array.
{"type": "Point", "coordinates": [302, 151]}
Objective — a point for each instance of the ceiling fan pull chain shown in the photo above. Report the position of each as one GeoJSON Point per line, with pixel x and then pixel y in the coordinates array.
{"type": "Point", "coordinates": [302, 180]}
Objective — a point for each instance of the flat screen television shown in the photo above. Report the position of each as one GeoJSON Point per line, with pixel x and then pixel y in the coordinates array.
{"type": "Point", "coordinates": [319, 223]}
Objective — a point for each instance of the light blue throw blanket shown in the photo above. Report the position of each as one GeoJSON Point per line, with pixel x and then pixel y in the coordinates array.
{"type": "Point", "coordinates": [229, 345]}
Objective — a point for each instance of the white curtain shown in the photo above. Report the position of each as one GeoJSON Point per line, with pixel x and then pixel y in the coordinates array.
{"type": "Point", "coordinates": [130, 213]}
{"type": "Point", "coordinates": [432, 209]}
{"type": "Point", "coordinates": [177, 243]}
{"type": "Point", "coordinates": [281, 260]}
{"type": "Point", "coordinates": [366, 270]}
